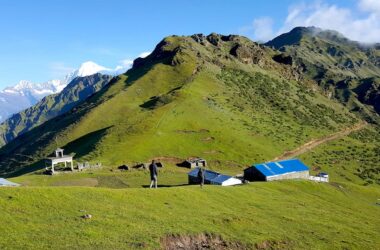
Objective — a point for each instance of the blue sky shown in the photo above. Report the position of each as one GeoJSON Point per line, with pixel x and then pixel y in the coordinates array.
{"type": "Point", "coordinates": [42, 40]}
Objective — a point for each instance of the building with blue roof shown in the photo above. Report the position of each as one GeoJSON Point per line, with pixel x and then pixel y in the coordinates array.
{"type": "Point", "coordinates": [277, 170]}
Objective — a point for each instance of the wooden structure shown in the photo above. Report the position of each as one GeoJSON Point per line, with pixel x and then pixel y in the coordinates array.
{"type": "Point", "coordinates": [59, 158]}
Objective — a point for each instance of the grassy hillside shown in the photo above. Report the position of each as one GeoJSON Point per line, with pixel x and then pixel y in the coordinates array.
{"type": "Point", "coordinates": [346, 70]}
{"type": "Point", "coordinates": [220, 97]}
{"type": "Point", "coordinates": [353, 159]}
{"type": "Point", "coordinates": [51, 106]}
{"type": "Point", "coordinates": [279, 215]}
{"type": "Point", "coordinates": [224, 98]}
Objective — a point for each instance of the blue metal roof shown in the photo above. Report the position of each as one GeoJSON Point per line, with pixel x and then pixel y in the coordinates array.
{"type": "Point", "coordinates": [209, 175]}
{"type": "Point", "coordinates": [281, 167]}
{"type": "Point", "coordinates": [221, 178]}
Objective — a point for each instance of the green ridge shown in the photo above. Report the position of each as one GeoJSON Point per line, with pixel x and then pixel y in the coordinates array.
{"type": "Point", "coordinates": [220, 97]}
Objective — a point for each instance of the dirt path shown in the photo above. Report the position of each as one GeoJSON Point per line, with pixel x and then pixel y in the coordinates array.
{"type": "Point", "coordinates": [316, 142]}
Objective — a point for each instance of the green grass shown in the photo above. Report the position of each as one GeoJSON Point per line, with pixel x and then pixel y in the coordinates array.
{"type": "Point", "coordinates": [326, 58]}
{"type": "Point", "coordinates": [300, 214]}
{"type": "Point", "coordinates": [182, 104]}
{"type": "Point", "coordinates": [354, 158]}
{"type": "Point", "coordinates": [237, 115]}
{"type": "Point", "coordinates": [170, 175]}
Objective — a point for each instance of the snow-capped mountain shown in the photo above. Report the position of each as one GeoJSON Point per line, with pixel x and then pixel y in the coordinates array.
{"type": "Point", "coordinates": [25, 93]}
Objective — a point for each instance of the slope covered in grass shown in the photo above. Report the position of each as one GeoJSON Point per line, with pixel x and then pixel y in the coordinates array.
{"type": "Point", "coordinates": [354, 158]}
{"type": "Point", "coordinates": [220, 97]}
{"type": "Point", "coordinates": [293, 215]}
{"type": "Point", "coordinates": [346, 70]}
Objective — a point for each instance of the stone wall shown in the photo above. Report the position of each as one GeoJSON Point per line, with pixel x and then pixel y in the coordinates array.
{"type": "Point", "coordinates": [295, 175]}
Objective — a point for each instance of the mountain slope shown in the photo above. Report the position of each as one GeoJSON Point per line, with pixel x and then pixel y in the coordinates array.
{"type": "Point", "coordinates": [51, 106]}
{"type": "Point", "coordinates": [221, 97]}
{"type": "Point", "coordinates": [25, 93]}
{"type": "Point", "coordinates": [346, 70]}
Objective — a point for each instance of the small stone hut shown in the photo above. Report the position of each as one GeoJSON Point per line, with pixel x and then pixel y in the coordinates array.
{"type": "Point", "coordinates": [195, 162]}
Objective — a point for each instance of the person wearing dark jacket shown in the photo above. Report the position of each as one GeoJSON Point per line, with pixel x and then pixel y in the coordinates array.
{"type": "Point", "coordinates": [201, 176]}
{"type": "Point", "coordinates": [153, 174]}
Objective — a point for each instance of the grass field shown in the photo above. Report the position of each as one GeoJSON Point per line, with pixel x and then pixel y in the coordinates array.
{"type": "Point", "coordinates": [187, 99]}
{"type": "Point", "coordinates": [354, 158]}
{"type": "Point", "coordinates": [170, 175]}
{"type": "Point", "coordinates": [293, 214]}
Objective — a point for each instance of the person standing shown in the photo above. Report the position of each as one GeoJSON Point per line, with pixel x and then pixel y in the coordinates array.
{"type": "Point", "coordinates": [201, 176]}
{"type": "Point", "coordinates": [153, 174]}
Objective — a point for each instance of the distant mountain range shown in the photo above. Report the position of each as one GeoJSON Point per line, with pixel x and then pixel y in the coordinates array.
{"type": "Point", "coordinates": [78, 90]}
{"type": "Point", "coordinates": [25, 93]}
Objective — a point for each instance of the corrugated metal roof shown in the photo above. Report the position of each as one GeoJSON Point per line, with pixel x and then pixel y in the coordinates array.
{"type": "Point", "coordinates": [4, 182]}
{"type": "Point", "coordinates": [216, 178]}
{"type": "Point", "coordinates": [221, 178]}
{"type": "Point", "coordinates": [281, 167]}
{"type": "Point", "coordinates": [209, 175]}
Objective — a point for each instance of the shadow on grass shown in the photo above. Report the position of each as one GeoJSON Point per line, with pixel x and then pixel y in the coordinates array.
{"type": "Point", "coordinates": [27, 169]}
{"type": "Point", "coordinates": [80, 147]}
{"type": "Point", "coordinates": [166, 186]}
{"type": "Point", "coordinates": [85, 144]}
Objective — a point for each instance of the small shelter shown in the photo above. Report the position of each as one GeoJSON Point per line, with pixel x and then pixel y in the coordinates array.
{"type": "Point", "coordinates": [321, 177]}
{"type": "Point", "coordinates": [59, 152]}
{"type": "Point", "coordinates": [59, 158]}
{"type": "Point", "coordinates": [195, 162]}
{"type": "Point", "coordinates": [225, 180]}
{"type": "Point", "coordinates": [6, 183]}
{"type": "Point", "coordinates": [278, 170]}
{"type": "Point", "coordinates": [211, 177]}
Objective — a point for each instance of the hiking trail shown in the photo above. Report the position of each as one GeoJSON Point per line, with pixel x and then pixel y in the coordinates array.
{"type": "Point", "coordinates": [316, 142]}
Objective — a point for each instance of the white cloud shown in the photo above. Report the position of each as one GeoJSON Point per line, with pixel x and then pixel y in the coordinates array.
{"type": "Point", "coordinates": [263, 28]}
{"type": "Point", "coordinates": [127, 63]}
{"type": "Point", "coordinates": [364, 27]}
{"type": "Point", "coordinates": [58, 70]}
{"type": "Point", "coordinates": [344, 20]}
{"type": "Point", "coordinates": [145, 54]}
{"type": "Point", "coordinates": [370, 6]}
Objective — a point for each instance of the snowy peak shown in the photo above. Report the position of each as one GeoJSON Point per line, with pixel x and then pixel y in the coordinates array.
{"type": "Point", "coordinates": [89, 68]}
{"type": "Point", "coordinates": [25, 93]}
{"type": "Point", "coordinates": [23, 84]}
{"type": "Point", "coordinates": [37, 90]}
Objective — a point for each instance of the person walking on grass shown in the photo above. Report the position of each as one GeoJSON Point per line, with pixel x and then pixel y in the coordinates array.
{"type": "Point", "coordinates": [153, 174]}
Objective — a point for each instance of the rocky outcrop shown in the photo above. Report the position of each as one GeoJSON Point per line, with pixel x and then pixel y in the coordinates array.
{"type": "Point", "coordinates": [248, 54]}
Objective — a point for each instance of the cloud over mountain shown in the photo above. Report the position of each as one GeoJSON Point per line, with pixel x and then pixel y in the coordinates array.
{"type": "Point", "coordinates": [360, 24]}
